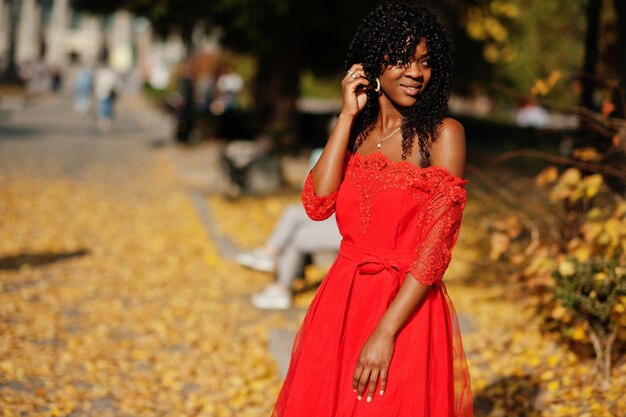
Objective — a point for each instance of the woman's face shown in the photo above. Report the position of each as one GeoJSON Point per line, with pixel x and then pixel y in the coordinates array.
{"type": "Point", "coordinates": [403, 83]}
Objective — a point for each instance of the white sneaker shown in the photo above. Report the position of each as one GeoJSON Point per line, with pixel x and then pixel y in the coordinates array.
{"type": "Point", "coordinates": [257, 259]}
{"type": "Point", "coordinates": [273, 297]}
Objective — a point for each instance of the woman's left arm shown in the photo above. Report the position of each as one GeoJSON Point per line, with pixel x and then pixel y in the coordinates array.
{"type": "Point", "coordinates": [447, 151]}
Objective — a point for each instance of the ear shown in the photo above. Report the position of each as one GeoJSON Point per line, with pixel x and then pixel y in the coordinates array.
{"type": "Point", "coordinates": [377, 85]}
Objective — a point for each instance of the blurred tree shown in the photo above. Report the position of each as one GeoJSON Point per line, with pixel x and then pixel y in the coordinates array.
{"type": "Point", "coordinates": [10, 74]}
{"type": "Point", "coordinates": [472, 72]}
{"type": "Point", "coordinates": [620, 11]}
{"type": "Point", "coordinates": [529, 39]}
{"type": "Point", "coordinates": [592, 53]}
{"type": "Point", "coordinates": [166, 16]}
{"type": "Point", "coordinates": [604, 65]}
{"type": "Point", "coordinates": [285, 37]}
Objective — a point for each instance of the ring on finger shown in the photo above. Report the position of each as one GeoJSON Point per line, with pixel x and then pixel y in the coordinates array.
{"type": "Point", "coordinates": [354, 75]}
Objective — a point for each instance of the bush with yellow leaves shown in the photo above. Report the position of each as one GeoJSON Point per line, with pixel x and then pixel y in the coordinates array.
{"type": "Point", "coordinates": [570, 259]}
{"type": "Point", "coordinates": [595, 292]}
{"type": "Point", "coordinates": [590, 279]}
{"type": "Point", "coordinates": [578, 276]}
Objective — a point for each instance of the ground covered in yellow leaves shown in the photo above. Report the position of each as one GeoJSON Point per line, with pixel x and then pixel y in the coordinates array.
{"type": "Point", "coordinates": [114, 302]}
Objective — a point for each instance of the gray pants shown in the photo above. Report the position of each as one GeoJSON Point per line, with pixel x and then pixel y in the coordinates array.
{"type": "Point", "coordinates": [295, 236]}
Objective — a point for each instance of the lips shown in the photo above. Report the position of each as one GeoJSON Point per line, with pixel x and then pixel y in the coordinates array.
{"type": "Point", "coordinates": [411, 89]}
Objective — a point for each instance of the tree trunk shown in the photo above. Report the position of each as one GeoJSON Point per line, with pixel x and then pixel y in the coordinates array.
{"type": "Point", "coordinates": [277, 90]}
{"type": "Point", "coordinates": [620, 9]}
{"type": "Point", "coordinates": [10, 75]}
{"type": "Point", "coordinates": [603, 346]}
{"type": "Point", "coordinates": [592, 53]}
{"type": "Point", "coordinates": [187, 37]}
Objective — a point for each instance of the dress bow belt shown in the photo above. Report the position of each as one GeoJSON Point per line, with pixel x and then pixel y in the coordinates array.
{"type": "Point", "coordinates": [372, 261]}
{"type": "Point", "coordinates": [375, 265]}
{"type": "Point", "coordinates": [386, 264]}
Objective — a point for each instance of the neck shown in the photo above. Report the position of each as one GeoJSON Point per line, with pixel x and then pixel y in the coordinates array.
{"type": "Point", "coordinates": [389, 117]}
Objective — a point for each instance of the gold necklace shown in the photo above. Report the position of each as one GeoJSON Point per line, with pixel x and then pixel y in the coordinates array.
{"type": "Point", "coordinates": [380, 141]}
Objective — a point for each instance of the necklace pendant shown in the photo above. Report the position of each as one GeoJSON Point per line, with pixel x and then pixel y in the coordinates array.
{"type": "Point", "coordinates": [380, 141]}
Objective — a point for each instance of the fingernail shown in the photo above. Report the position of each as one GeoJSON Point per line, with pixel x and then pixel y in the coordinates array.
{"type": "Point", "coordinates": [358, 397]}
{"type": "Point", "coordinates": [369, 399]}
{"type": "Point", "coordinates": [382, 392]}
{"type": "Point", "coordinates": [354, 390]}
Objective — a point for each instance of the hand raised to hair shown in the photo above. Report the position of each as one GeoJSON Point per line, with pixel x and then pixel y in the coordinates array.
{"type": "Point", "coordinates": [354, 96]}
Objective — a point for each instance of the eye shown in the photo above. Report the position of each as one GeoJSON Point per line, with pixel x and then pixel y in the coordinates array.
{"type": "Point", "coordinates": [402, 64]}
{"type": "Point", "coordinates": [426, 63]}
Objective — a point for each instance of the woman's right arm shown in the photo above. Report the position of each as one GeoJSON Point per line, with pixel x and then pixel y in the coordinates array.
{"type": "Point", "coordinates": [327, 173]}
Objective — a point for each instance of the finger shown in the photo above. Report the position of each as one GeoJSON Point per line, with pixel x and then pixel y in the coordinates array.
{"type": "Point", "coordinates": [363, 381]}
{"type": "Point", "coordinates": [371, 389]}
{"type": "Point", "coordinates": [383, 380]}
{"type": "Point", "coordinates": [354, 76]}
{"type": "Point", "coordinates": [361, 90]}
{"type": "Point", "coordinates": [356, 377]}
{"type": "Point", "coordinates": [348, 79]}
{"type": "Point", "coordinates": [356, 67]}
{"type": "Point", "coordinates": [355, 83]}
{"type": "Point", "coordinates": [356, 88]}
{"type": "Point", "coordinates": [358, 73]}
{"type": "Point", "coordinates": [355, 71]}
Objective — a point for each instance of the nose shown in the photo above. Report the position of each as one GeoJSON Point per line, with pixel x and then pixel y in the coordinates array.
{"type": "Point", "coordinates": [414, 70]}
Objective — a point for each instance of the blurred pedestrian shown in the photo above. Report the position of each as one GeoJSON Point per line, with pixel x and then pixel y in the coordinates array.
{"type": "Point", "coordinates": [185, 105]}
{"type": "Point", "coordinates": [204, 91]}
{"type": "Point", "coordinates": [381, 337]}
{"type": "Point", "coordinates": [56, 80]}
{"type": "Point", "coordinates": [105, 92]}
{"type": "Point", "coordinates": [229, 85]}
{"type": "Point", "coordinates": [529, 114]}
{"type": "Point", "coordinates": [83, 90]}
{"type": "Point", "coordinates": [294, 237]}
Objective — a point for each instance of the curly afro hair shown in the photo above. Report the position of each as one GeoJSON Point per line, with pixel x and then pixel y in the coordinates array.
{"type": "Point", "coordinates": [389, 36]}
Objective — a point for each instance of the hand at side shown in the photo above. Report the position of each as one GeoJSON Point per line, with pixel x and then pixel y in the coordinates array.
{"type": "Point", "coordinates": [372, 365]}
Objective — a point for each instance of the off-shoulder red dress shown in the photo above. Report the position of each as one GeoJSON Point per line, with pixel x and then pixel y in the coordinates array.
{"type": "Point", "coordinates": [394, 218]}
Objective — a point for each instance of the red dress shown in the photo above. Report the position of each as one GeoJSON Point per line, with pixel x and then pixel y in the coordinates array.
{"type": "Point", "coordinates": [394, 218]}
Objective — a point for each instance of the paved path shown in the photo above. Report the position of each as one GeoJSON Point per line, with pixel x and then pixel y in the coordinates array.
{"type": "Point", "coordinates": [49, 139]}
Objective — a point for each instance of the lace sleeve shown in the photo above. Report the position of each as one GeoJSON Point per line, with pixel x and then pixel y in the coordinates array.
{"type": "Point", "coordinates": [317, 207]}
{"type": "Point", "coordinates": [438, 233]}
{"type": "Point", "coordinates": [320, 207]}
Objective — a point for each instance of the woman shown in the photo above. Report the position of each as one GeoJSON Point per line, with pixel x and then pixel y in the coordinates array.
{"type": "Point", "coordinates": [381, 337]}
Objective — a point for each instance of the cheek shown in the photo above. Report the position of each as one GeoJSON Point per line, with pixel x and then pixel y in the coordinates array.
{"type": "Point", "coordinates": [427, 76]}
{"type": "Point", "coordinates": [388, 77]}
{"type": "Point", "coordinates": [387, 83]}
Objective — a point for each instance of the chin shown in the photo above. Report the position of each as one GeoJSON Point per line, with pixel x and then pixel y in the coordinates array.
{"type": "Point", "coordinates": [407, 101]}
{"type": "Point", "coordinates": [403, 100]}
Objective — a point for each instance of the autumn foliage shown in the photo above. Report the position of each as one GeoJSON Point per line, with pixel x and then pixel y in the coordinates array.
{"type": "Point", "coordinates": [574, 263]}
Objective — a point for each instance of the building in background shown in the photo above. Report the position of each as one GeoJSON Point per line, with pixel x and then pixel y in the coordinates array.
{"type": "Point", "coordinates": [53, 39]}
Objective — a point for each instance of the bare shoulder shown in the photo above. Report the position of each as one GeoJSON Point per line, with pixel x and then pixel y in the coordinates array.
{"type": "Point", "coordinates": [448, 149]}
